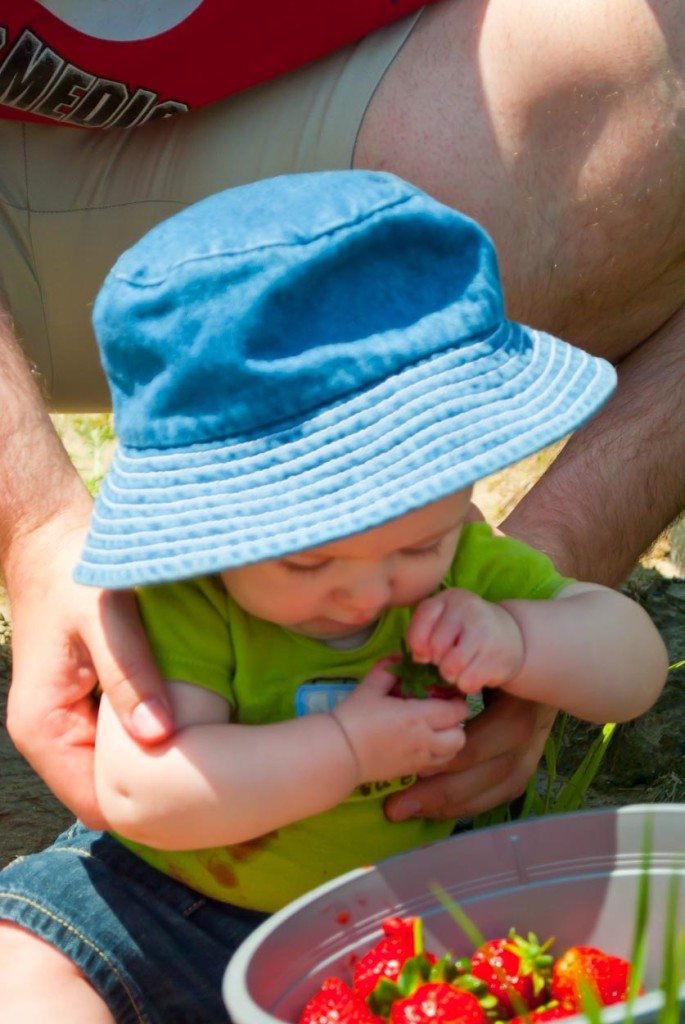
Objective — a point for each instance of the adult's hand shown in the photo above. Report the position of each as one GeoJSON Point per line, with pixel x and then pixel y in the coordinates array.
{"type": "Point", "coordinates": [504, 744]}
{"type": "Point", "coordinates": [64, 637]}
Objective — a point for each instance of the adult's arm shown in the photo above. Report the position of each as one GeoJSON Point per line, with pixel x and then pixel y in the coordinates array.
{"type": "Point", "coordinates": [615, 486]}
{"type": "Point", "coordinates": [621, 479]}
{"type": "Point", "coordinates": [64, 637]}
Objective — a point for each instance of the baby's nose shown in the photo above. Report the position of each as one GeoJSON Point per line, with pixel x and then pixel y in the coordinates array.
{"type": "Point", "coordinates": [367, 593]}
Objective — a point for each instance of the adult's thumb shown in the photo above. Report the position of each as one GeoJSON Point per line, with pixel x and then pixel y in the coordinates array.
{"type": "Point", "coordinates": [126, 669]}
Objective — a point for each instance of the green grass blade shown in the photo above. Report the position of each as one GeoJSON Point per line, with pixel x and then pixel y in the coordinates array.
{"type": "Point", "coordinates": [532, 804]}
{"type": "Point", "coordinates": [638, 954]}
{"type": "Point", "coordinates": [589, 1002]}
{"type": "Point", "coordinates": [550, 757]}
{"type": "Point", "coordinates": [572, 795]}
{"type": "Point", "coordinates": [470, 930]}
{"type": "Point", "coordinates": [496, 816]}
{"type": "Point", "coordinates": [670, 971]}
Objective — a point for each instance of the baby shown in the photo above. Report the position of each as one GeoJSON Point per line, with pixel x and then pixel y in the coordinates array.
{"type": "Point", "coordinates": [308, 376]}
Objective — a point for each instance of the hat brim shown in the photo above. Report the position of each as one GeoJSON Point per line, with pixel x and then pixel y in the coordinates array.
{"type": "Point", "coordinates": [428, 431]}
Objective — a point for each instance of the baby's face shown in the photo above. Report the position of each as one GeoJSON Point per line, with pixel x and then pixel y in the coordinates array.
{"type": "Point", "coordinates": [339, 588]}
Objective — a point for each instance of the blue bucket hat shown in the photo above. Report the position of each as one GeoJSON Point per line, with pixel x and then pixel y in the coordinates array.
{"type": "Point", "coordinates": [304, 358]}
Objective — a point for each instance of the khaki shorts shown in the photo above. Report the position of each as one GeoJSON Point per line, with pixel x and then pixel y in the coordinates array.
{"type": "Point", "coordinates": [72, 201]}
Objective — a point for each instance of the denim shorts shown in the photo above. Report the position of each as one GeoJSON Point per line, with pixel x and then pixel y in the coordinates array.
{"type": "Point", "coordinates": [154, 949]}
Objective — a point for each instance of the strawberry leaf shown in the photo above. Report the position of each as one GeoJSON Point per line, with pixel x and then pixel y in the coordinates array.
{"type": "Point", "coordinates": [415, 680]}
{"type": "Point", "coordinates": [443, 969]}
{"type": "Point", "coordinates": [383, 996]}
{"type": "Point", "coordinates": [415, 971]}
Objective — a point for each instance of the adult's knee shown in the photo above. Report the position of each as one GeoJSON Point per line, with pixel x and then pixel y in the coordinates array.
{"type": "Point", "coordinates": [38, 983]}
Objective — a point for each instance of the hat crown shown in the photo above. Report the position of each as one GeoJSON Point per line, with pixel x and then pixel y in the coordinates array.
{"type": "Point", "coordinates": [262, 304]}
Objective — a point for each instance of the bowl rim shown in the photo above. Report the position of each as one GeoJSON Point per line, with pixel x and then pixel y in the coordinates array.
{"type": "Point", "coordinates": [240, 1003]}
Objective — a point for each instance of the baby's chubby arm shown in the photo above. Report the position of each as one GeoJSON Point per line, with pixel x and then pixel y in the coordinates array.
{"type": "Point", "coordinates": [214, 782]}
{"type": "Point", "coordinates": [590, 651]}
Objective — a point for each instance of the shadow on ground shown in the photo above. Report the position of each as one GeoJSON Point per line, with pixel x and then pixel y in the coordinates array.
{"type": "Point", "coordinates": [30, 817]}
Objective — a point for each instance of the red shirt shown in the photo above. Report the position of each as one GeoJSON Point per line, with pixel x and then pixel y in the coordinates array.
{"type": "Point", "coordinates": [118, 63]}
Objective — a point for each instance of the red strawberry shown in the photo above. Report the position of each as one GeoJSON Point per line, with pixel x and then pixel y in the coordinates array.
{"type": "Point", "coordinates": [544, 1014]}
{"type": "Point", "coordinates": [401, 926]}
{"type": "Point", "coordinates": [438, 1003]}
{"type": "Point", "coordinates": [515, 970]}
{"type": "Point", "coordinates": [443, 691]}
{"type": "Point", "coordinates": [608, 976]}
{"type": "Point", "coordinates": [336, 1003]}
{"type": "Point", "coordinates": [387, 958]}
{"type": "Point", "coordinates": [414, 680]}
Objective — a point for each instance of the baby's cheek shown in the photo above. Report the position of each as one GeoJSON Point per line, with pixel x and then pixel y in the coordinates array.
{"type": "Point", "coordinates": [412, 592]}
{"type": "Point", "coordinates": [269, 600]}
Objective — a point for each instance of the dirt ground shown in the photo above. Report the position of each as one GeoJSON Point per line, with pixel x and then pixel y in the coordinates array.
{"type": "Point", "coordinates": [645, 763]}
{"type": "Point", "coordinates": [30, 817]}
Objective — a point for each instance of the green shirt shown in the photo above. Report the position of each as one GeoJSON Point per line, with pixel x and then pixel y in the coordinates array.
{"type": "Point", "coordinates": [268, 674]}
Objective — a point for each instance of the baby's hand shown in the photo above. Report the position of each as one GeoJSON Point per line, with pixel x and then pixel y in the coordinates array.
{"type": "Point", "coordinates": [391, 737]}
{"type": "Point", "coordinates": [474, 643]}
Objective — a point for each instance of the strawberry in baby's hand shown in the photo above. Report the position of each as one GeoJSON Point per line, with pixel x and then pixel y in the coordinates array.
{"type": "Point", "coordinates": [438, 1003]}
{"type": "Point", "coordinates": [414, 680]}
{"type": "Point", "coordinates": [336, 1003]}
{"type": "Point", "coordinates": [607, 977]}
{"type": "Point", "coordinates": [515, 970]}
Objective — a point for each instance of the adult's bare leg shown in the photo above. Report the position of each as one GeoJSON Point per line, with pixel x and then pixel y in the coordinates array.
{"type": "Point", "coordinates": [619, 481]}
{"type": "Point", "coordinates": [39, 984]}
{"type": "Point", "coordinates": [575, 162]}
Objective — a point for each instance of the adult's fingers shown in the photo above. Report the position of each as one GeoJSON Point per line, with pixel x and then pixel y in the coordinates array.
{"type": "Point", "coordinates": [126, 669]}
{"type": "Point", "coordinates": [65, 637]}
{"type": "Point", "coordinates": [51, 716]}
{"type": "Point", "coordinates": [508, 725]}
{"type": "Point", "coordinates": [502, 749]}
